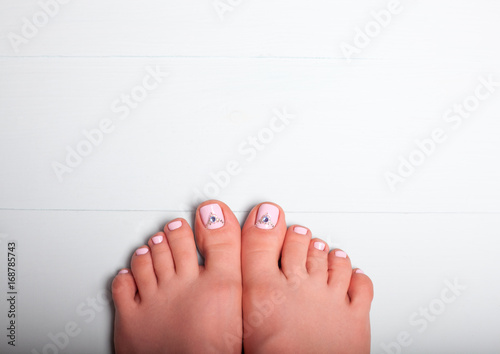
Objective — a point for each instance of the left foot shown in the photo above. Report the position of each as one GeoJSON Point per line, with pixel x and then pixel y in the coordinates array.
{"type": "Point", "coordinates": [167, 303]}
{"type": "Point", "coordinates": [313, 303]}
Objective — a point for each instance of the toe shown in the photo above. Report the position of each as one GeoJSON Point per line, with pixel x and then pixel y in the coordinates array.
{"type": "Point", "coordinates": [262, 239]}
{"type": "Point", "coordinates": [317, 258]}
{"type": "Point", "coordinates": [360, 290]}
{"type": "Point", "coordinates": [339, 271]}
{"type": "Point", "coordinates": [162, 258]}
{"type": "Point", "coordinates": [181, 241]}
{"type": "Point", "coordinates": [294, 253]}
{"type": "Point", "coordinates": [124, 290]}
{"type": "Point", "coordinates": [218, 235]}
{"type": "Point", "coordinates": [143, 272]}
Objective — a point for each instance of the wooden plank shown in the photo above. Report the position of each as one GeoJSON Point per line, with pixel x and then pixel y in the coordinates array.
{"type": "Point", "coordinates": [450, 31]}
{"type": "Point", "coordinates": [178, 145]}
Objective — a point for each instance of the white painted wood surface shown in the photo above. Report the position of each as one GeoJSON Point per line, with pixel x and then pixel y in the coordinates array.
{"type": "Point", "coordinates": [228, 78]}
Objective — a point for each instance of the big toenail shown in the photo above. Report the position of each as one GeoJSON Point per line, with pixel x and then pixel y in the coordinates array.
{"type": "Point", "coordinates": [267, 216]}
{"type": "Point", "coordinates": [174, 225]}
{"type": "Point", "coordinates": [212, 216]}
{"type": "Point", "coordinates": [340, 254]}
{"type": "Point", "coordinates": [300, 230]}
{"type": "Point", "coordinates": [359, 271]}
{"type": "Point", "coordinates": [319, 246]}
{"type": "Point", "coordinates": [141, 251]}
{"type": "Point", "coordinates": [157, 239]}
{"type": "Point", "coordinates": [123, 271]}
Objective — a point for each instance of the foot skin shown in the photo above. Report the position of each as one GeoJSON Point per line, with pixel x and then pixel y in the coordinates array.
{"type": "Point", "coordinates": [314, 303]}
{"type": "Point", "coordinates": [167, 303]}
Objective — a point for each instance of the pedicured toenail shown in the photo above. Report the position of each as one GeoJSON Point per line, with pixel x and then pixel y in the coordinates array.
{"type": "Point", "coordinates": [157, 239]}
{"type": "Point", "coordinates": [141, 251]}
{"type": "Point", "coordinates": [267, 216]}
{"type": "Point", "coordinates": [123, 271]}
{"type": "Point", "coordinates": [174, 225]}
{"type": "Point", "coordinates": [319, 246]}
{"type": "Point", "coordinates": [300, 230]}
{"type": "Point", "coordinates": [340, 254]}
{"type": "Point", "coordinates": [212, 216]}
{"type": "Point", "coordinates": [359, 271]}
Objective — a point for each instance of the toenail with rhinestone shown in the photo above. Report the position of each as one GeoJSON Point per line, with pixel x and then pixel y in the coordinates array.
{"type": "Point", "coordinates": [212, 216]}
{"type": "Point", "coordinates": [267, 216]}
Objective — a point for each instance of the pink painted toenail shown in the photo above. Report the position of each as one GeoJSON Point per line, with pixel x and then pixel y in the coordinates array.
{"type": "Point", "coordinates": [300, 230]}
{"type": "Point", "coordinates": [123, 271]}
{"type": "Point", "coordinates": [141, 251]}
{"type": "Point", "coordinates": [340, 254]}
{"type": "Point", "coordinates": [267, 216]}
{"type": "Point", "coordinates": [157, 239]}
{"type": "Point", "coordinates": [359, 271]}
{"type": "Point", "coordinates": [174, 225]}
{"type": "Point", "coordinates": [319, 246]}
{"type": "Point", "coordinates": [212, 216]}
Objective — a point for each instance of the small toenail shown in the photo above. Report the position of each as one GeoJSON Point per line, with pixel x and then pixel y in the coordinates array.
{"type": "Point", "coordinates": [123, 271]}
{"type": "Point", "coordinates": [340, 254]}
{"type": "Point", "coordinates": [157, 239]}
{"type": "Point", "coordinates": [174, 225]}
{"type": "Point", "coordinates": [300, 230]}
{"type": "Point", "coordinates": [319, 246]}
{"type": "Point", "coordinates": [359, 271]}
{"type": "Point", "coordinates": [212, 216]}
{"type": "Point", "coordinates": [141, 251]}
{"type": "Point", "coordinates": [267, 216]}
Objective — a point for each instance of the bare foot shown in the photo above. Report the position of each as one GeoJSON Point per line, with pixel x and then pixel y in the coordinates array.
{"type": "Point", "coordinates": [314, 303]}
{"type": "Point", "coordinates": [167, 303]}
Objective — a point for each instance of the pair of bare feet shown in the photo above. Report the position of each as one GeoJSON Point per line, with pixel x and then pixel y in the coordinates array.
{"type": "Point", "coordinates": [264, 287]}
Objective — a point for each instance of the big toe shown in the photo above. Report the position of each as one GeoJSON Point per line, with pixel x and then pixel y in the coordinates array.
{"type": "Point", "coordinates": [218, 236]}
{"type": "Point", "coordinates": [262, 240]}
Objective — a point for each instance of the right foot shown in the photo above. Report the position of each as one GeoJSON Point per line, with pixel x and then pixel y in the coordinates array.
{"type": "Point", "coordinates": [166, 303]}
{"type": "Point", "coordinates": [314, 303]}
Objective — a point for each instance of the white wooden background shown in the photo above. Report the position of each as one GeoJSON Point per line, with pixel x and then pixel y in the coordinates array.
{"type": "Point", "coordinates": [228, 76]}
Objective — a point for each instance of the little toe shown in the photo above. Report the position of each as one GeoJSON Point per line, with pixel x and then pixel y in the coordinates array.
{"type": "Point", "coordinates": [181, 241]}
{"type": "Point", "coordinates": [339, 271]}
{"type": "Point", "coordinates": [163, 262]}
{"type": "Point", "coordinates": [294, 253]}
{"type": "Point", "coordinates": [262, 239]}
{"type": "Point", "coordinates": [317, 258]}
{"type": "Point", "coordinates": [360, 290]}
{"type": "Point", "coordinates": [124, 290]}
{"type": "Point", "coordinates": [218, 236]}
{"type": "Point", "coordinates": [143, 272]}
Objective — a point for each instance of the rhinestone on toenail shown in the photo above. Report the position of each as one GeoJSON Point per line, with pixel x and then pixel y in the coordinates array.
{"type": "Point", "coordinates": [266, 220]}
{"type": "Point", "coordinates": [214, 219]}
